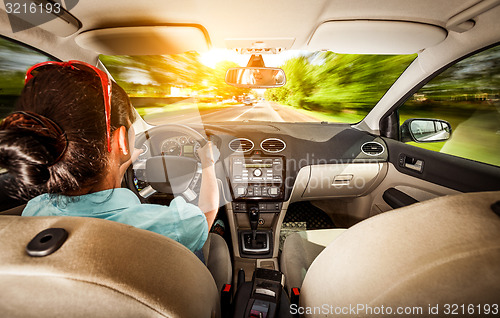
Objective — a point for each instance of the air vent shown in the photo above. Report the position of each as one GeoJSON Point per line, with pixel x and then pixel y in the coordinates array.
{"type": "Point", "coordinates": [372, 148]}
{"type": "Point", "coordinates": [273, 145]}
{"type": "Point", "coordinates": [241, 145]}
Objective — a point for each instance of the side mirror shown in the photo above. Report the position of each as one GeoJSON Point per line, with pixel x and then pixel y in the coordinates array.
{"type": "Point", "coordinates": [255, 77]}
{"type": "Point", "coordinates": [425, 130]}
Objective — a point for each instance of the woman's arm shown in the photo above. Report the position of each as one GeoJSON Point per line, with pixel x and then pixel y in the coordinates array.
{"type": "Point", "coordinates": [209, 191]}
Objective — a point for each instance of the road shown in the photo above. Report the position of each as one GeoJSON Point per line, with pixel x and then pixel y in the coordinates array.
{"type": "Point", "coordinates": [261, 111]}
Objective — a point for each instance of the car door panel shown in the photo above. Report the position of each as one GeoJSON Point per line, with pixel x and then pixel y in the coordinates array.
{"type": "Point", "coordinates": [446, 170]}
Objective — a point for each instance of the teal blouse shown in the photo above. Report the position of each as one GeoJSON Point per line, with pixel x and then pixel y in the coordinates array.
{"type": "Point", "coordinates": [181, 221]}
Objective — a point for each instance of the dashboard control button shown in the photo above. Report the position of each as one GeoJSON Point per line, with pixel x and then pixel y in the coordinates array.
{"type": "Point", "coordinates": [273, 191]}
{"type": "Point", "coordinates": [257, 172]}
{"type": "Point", "coordinates": [257, 191]}
{"type": "Point", "coordinates": [241, 191]}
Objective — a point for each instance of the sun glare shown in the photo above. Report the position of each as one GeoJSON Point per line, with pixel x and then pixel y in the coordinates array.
{"type": "Point", "coordinates": [214, 56]}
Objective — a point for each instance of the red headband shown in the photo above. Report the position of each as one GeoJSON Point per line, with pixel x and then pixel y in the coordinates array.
{"type": "Point", "coordinates": [105, 83]}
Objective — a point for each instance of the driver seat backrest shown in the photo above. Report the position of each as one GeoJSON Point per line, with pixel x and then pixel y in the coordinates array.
{"type": "Point", "coordinates": [436, 252]}
{"type": "Point", "coordinates": [103, 269]}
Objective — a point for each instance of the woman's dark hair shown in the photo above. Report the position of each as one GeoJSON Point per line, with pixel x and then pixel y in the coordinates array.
{"type": "Point", "coordinates": [73, 100]}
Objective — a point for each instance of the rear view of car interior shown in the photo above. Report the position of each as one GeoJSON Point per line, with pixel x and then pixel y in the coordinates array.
{"type": "Point", "coordinates": [331, 203]}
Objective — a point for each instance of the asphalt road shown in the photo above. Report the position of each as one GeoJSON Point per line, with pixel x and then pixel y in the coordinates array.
{"type": "Point", "coordinates": [261, 111]}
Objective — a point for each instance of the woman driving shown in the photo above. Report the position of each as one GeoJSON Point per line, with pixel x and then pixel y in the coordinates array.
{"type": "Point", "coordinates": [68, 145]}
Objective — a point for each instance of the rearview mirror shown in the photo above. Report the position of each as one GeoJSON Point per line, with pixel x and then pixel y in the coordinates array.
{"type": "Point", "coordinates": [255, 77]}
{"type": "Point", "coordinates": [425, 130]}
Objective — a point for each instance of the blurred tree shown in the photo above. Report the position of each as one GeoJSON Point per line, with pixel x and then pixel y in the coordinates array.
{"type": "Point", "coordinates": [136, 73]}
{"type": "Point", "coordinates": [335, 82]}
{"type": "Point", "coordinates": [157, 73]}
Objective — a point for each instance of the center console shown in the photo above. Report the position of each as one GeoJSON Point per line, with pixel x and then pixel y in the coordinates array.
{"type": "Point", "coordinates": [262, 297]}
{"type": "Point", "coordinates": [257, 185]}
{"type": "Point", "coordinates": [257, 177]}
{"type": "Point", "coordinates": [258, 189]}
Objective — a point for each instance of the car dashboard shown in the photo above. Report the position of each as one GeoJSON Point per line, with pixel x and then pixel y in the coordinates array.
{"type": "Point", "coordinates": [267, 161]}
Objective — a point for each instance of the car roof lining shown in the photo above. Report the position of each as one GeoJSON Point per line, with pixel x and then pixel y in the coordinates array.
{"type": "Point", "coordinates": [239, 19]}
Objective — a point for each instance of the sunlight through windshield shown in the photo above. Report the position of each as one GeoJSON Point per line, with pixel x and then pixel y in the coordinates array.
{"type": "Point", "coordinates": [190, 88]}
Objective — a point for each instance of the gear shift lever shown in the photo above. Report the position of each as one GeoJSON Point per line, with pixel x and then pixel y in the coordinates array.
{"type": "Point", "coordinates": [253, 216]}
{"type": "Point", "coordinates": [254, 242]}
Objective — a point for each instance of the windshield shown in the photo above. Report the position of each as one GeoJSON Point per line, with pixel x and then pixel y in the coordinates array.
{"type": "Point", "coordinates": [320, 86]}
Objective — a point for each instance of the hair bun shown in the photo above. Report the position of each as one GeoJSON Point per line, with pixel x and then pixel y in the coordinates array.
{"type": "Point", "coordinates": [41, 126]}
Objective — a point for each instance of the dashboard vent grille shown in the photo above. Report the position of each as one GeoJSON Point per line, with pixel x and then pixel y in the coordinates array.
{"type": "Point", "coordinates": [241, 145]}
{"type": "Point", "coordinates": [273, 145]}
{"type": "Point", "coordinates": [372, 148]}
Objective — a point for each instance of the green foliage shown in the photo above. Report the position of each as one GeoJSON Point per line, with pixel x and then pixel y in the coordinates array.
{"type": "Point", "coordinates": [468, 79]}
{"type": "Point", "coordinates": [16, 59]}
{"type": "Point", "coordinates": [334, 83]}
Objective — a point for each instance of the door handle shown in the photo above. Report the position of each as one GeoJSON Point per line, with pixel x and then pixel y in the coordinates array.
{"type": "Point", "coordinates": [411, 163]}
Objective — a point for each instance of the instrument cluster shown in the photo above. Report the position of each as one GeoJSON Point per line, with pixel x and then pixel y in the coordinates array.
{"type": "Point", "coordinates": [184, 146]}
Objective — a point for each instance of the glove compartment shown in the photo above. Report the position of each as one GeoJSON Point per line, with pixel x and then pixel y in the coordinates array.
{"type": "Point", "coordinates": [343, 180]}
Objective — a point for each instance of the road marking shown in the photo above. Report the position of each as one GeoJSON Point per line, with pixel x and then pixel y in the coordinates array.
{"type": "Point", "coordinates": [235, 118]}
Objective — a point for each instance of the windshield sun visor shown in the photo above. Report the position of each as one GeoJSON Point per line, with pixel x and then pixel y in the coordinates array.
{"type": "Point", "coordinates": [375, 37]}
{"type": "Point", "coordinates": [146, 40]}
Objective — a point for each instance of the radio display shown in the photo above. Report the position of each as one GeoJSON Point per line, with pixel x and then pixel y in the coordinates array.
{"type": "Point", "coordinates": [258, 165]}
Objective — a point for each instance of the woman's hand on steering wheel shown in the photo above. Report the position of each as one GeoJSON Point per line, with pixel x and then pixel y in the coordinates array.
{"type": "Point", "coordinates": [206, 155]}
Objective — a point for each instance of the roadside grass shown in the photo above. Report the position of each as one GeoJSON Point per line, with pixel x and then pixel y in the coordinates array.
{"type": "Point", "coordinates": [346, 117]}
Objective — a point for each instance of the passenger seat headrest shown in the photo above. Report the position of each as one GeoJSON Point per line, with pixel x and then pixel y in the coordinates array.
{"type": "Point", "coordinates": [441, 251]}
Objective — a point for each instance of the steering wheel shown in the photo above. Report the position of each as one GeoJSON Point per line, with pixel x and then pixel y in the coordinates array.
{"type": "Point", "coordinates": [166, 173]}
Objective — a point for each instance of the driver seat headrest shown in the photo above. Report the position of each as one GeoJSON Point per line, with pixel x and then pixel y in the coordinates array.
{"type": "Point", "coordinates": [103, 269]}
{"type": "Point", "coordinates": [437, 252]}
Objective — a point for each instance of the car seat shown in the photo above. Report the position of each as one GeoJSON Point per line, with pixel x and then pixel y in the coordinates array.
{"type": "Point", "coordinates": [299, 251]}
{"type": "Point", "coordinates": [433, 253]}
{"type": "Point", "coordinates": [102, 269]}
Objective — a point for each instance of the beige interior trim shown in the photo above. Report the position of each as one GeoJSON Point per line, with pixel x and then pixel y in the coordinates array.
{"type": "Point", "coordinates": [277, 229]}
{"type": "Point", "coordinates": [337, 180]}
{"type": "Point", "coordinates": [375, 37]}
{"type": "Point", "coordinates": [260, 45]}
{"type": "Point", "coordinates": [419, 189]}
{"type": "Point", "coordinates": [148, 40]}
{"type": "Point", "coordinates": [343, 180]}
{"type": "Point", "coordinates": [458, 22]}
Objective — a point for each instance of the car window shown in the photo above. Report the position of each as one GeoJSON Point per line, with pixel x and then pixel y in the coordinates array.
{"type": "Point", "coordinates": [320, 86]}
{"type": "Point", "coordinates": [15, 59]}
{"type": "Point", "coordinates": [467, 95]}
